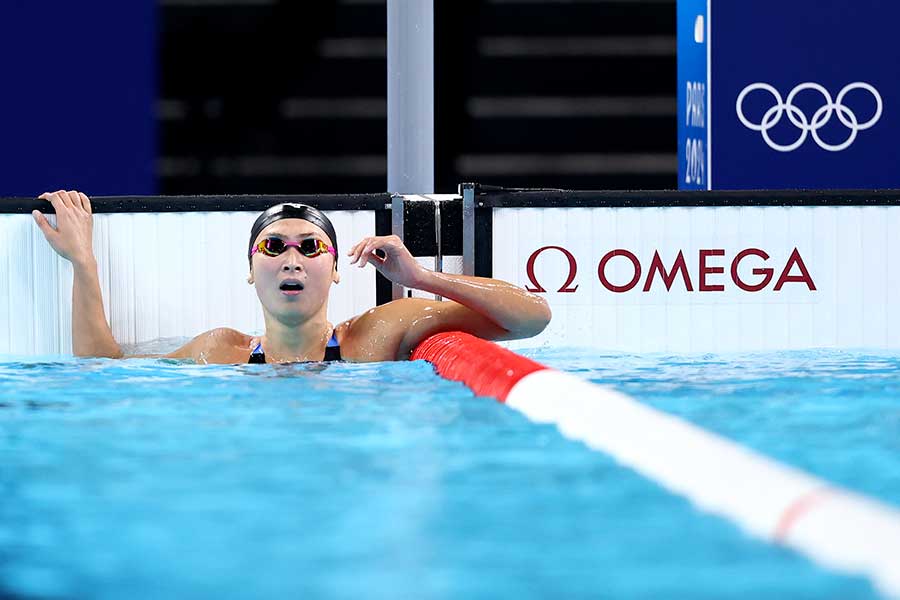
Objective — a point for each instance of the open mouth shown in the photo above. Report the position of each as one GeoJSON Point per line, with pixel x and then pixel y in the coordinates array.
{"type": "Point", "coordinates": [291, 286]}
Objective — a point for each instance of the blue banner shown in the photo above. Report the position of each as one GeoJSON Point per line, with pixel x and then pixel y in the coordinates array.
{"type": "Point", "coordinates": [79, 95]}
{"type": "Point", "coordinates": [801, 94]}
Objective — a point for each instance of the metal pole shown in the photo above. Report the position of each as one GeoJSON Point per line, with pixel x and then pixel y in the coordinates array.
{"type": "Point", "coordinates": [410, 45]}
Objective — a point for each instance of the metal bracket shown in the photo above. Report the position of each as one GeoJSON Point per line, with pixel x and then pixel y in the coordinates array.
{"type": "Point", "coordinates": [467, 191]}
{"type": "Point", "coordinates": [397, 202]}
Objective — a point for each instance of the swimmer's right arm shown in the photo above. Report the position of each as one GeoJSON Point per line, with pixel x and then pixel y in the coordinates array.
{"type": "Point", "coordinates": [72, 239]}
{"type": "Point", "coordinates": [91, 335]}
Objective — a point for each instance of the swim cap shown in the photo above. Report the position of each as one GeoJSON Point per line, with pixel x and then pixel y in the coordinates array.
{"type": "Point", "coordinates": [292, 211]}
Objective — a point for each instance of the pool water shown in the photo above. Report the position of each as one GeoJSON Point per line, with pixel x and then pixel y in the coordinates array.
{"type": "Point", "coordinates": [149, 479]}
{"type": "Point", "coordinates": [832, 413]}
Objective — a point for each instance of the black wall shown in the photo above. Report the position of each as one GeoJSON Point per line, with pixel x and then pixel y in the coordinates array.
{"type": "Point", "coordinates": [290, 97]}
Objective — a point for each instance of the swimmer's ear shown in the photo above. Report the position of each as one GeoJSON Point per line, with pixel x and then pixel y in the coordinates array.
{"type": "Point", "coordinates": [250, 278]}
{"type": "Point", "coordinates": [336, 277]}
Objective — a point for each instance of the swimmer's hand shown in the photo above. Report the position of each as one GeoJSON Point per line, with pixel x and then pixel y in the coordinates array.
{"type": "Point", "coordinates": [398, 264]}
{"type": "Point", "coordinates": [72, 237]}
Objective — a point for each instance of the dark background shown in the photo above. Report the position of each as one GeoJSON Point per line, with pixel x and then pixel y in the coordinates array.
{"type": "Point", "coordinates": [289, 96]}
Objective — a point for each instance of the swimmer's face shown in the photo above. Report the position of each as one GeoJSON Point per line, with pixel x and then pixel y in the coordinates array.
{"type": "Point", "coordinates": [293, 286]}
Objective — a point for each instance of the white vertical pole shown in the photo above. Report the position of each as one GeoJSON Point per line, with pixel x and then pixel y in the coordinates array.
{"type": "Point", "coordinates": [410, 53]}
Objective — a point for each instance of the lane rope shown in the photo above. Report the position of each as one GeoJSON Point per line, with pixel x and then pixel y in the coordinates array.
{"type": "Point", "coordinates": [834, 527]}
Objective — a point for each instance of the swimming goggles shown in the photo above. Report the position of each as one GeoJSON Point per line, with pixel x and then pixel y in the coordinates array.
{"type": "Point", "coordinates": [309, 247]}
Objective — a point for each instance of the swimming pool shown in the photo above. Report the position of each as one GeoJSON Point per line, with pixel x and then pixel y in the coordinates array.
{"type": "Point", "coordinates": [151, 478]}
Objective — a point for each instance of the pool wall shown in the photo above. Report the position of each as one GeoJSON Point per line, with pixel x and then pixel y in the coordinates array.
{"type": "Point", "coordinates": [622, 271]}
{"type": "Point", "coordinates": [698, 271]}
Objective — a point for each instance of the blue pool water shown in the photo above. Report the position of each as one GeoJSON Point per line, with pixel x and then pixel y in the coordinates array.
{"type": "Point", "coordinates": [149, 479]}
{"type": "Point", "coordinates": [832, 413]}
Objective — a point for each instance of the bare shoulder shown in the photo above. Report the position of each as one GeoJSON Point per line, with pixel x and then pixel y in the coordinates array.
{"type": "Point", "coordinates": [221, 346]}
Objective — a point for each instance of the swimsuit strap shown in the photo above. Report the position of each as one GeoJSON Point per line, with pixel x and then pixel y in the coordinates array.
{"type": "Point", "coordinates": [258, 356]}
{"type": "Point", "coordinates": [333, 349]}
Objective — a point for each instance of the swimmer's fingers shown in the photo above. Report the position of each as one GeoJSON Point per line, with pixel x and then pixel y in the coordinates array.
{"type": "Point", "coordinates": [373, 259]}
{"type": "Point", "coordinates": [398, 263]}
{"type": "Point", "coordinates": [44, 225]}
{"type": "Point", "coordinates": [85, 203]}
{"type": "Point", "coordinates": [72, 236]}
{"type": "Point", "coordinates": [356, 251]}
{"type": "Point", "coordinates": [391, 245]}
{"type": "Point", "coordinates": [366, 253]}
{"type": "Point", "coordinates": [368, 248]}
{"type": "Point", "coordinates": [74, 199]}
{"type": "Point", "coordinates": [62, 200]}
{"type": "Point", "coordinates": [61, 203]}
{"type": "Point", "coordinates": [55, 200]}
{"type": "Point", "coordinates": [386, 243]}
{"type": "Point", "coordinates": [58, 207]}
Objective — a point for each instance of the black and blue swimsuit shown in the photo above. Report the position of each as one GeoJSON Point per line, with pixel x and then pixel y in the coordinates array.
{"type": "Point", "coordinates": [332, 352]}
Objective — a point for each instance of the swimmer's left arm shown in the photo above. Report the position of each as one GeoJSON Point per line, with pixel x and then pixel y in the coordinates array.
{"type": "Point", "coordinates": [490, 308]}
{"type": "Point", "coordinates": [519, 313]}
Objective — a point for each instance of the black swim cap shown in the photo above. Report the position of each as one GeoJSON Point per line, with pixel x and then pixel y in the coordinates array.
{"type": "Point", "coordinates": [293, 211]}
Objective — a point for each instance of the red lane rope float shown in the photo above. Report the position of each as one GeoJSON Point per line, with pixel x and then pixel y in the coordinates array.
{"type": "Point", "coordinates": [835, 527]}
{"type": "Point", "coordinates": [486, 368]}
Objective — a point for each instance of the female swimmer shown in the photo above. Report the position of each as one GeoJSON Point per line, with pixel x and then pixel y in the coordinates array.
{"type": "Point", "coordinates": [293, 263]}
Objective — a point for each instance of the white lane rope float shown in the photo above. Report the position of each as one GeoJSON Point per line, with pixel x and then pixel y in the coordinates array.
{"type": "Point", "coordinates": [834, 527]}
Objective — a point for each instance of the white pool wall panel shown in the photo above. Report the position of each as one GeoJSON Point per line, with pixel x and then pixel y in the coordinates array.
{"type": "Point", "coordinates": [849, 251]}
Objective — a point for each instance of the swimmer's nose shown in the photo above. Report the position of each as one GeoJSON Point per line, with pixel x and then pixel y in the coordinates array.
{"type": "Point", "coordinates": [291, 265]}
{"type": "Point", "coordinates": [292, 261]}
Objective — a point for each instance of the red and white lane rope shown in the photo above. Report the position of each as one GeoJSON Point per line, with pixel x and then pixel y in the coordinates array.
{"type": "Point", "coordinates": [834, 527]}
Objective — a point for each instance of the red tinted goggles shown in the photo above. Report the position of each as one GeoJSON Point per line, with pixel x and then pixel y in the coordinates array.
{"type": "Point", "coordinates": [309, 247]}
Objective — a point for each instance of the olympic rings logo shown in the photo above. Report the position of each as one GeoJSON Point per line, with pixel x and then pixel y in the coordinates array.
{"type": "Point", "coordinates": [819, 119]}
